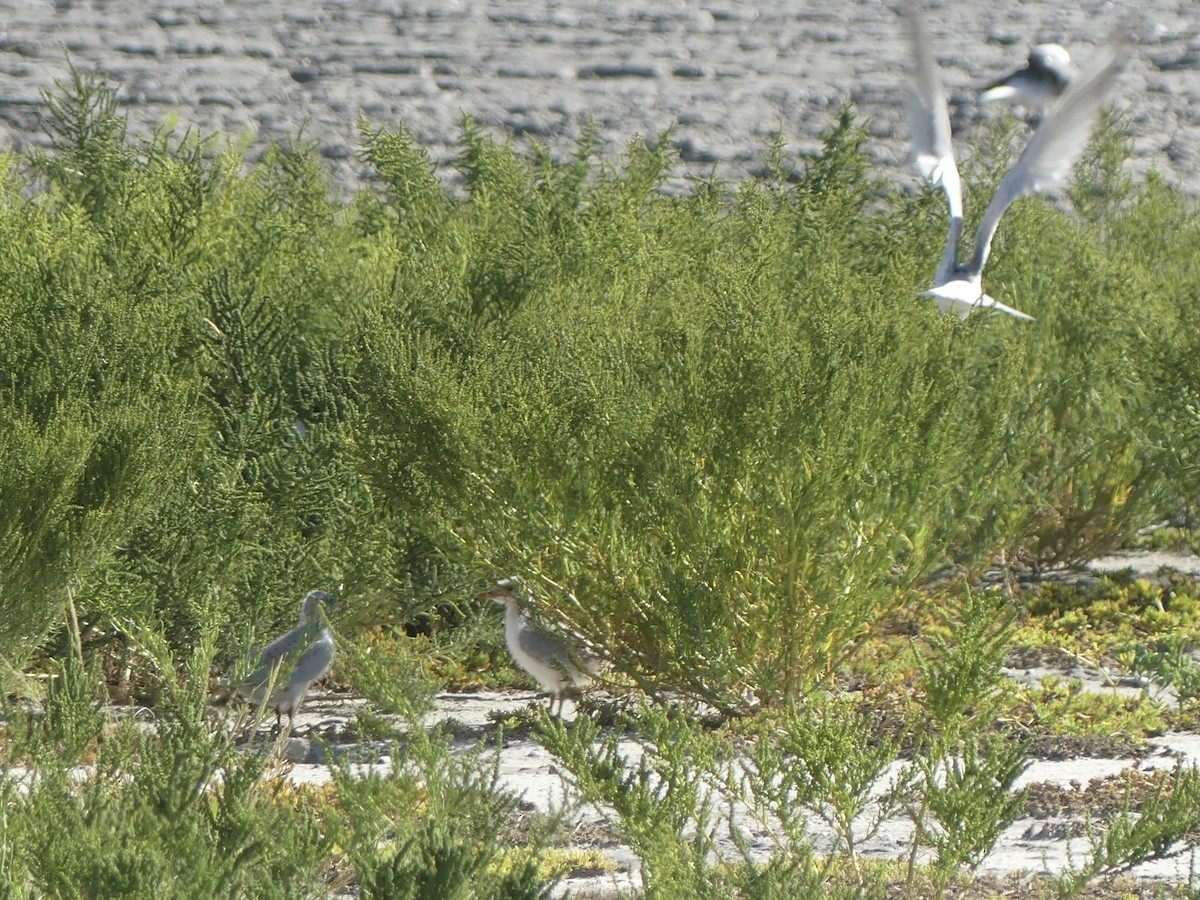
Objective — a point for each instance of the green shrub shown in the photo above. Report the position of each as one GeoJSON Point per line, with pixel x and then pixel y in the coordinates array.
{"type": "Point", "coordinates": [716, 432]}
{"type": "Point", "coordinates": [437, 825]}
{"type": "Point", "coordinates": [726, 450]}
{"type": "Point", "coordinates": [98, 409]}
{"type": "Point", "coordinates": [184, 337]}
{"type": "Point", "coordinates": [166, 810]}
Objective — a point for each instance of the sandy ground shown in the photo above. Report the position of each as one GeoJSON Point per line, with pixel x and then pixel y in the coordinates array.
{"type": "Point", "coordinates": [1050, 842]}
{"type": "Point", "coordinates": [726, 74]}
{"type": "Point", "coordinates": [1047, 841]}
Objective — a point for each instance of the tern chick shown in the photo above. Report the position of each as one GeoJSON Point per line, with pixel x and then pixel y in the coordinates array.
{"type": "Point", "coordinates": [293, 661]}
{"type": "Point", "coordinates": [556, 663]}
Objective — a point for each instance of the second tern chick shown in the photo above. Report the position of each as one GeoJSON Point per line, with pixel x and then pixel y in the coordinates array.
{"type": "Point", "coordinates": [293, 661]}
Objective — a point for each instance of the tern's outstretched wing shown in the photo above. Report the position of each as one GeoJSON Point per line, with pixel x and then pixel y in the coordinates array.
{"type": "Point", "coordinates": [991, 303]}
{"type": "Point", "coordinates": [1054, 147]}
{"type": "Point", "coordinates": [929, 126]}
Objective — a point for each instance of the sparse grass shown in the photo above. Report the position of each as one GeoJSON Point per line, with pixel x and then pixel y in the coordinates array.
{"type": "Point", "coordinates": [1112, 618]}
{"type": "Point", "coordinates": [1178, 539]}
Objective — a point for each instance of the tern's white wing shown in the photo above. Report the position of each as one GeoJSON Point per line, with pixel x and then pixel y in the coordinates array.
{"type": "Point", "coordinates": [993, 303]}
{"type": "Point", "coordinates": [1054, 147]}
{"type": "Point", "coordinates": [929, 125]}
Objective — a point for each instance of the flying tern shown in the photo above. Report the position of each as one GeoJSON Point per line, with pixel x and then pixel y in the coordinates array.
{"type": "Point", "coordinates": [1043, 80]}
{"type": "Point", "coordinates": [1055, 146]}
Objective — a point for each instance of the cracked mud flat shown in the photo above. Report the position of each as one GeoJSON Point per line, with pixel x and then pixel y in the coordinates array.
{"type": "Point", "coordinates": [1068, 782]}
{"type": "Point", "coordinates": [727, 75]}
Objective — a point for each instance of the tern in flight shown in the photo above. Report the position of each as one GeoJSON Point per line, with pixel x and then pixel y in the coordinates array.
{"type": "Point", "coordinates": [1043, 80]}
{"type": "Point", "coordinates": [1055, 146]}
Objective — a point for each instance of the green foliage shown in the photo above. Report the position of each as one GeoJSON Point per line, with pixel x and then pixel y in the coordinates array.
{"type": "Point", "coordinates": [1172, 814]}
{"type": "Point", "coordinates": [437, 863]}
{"type": "Point", "coordinates": [171, 806]}
{"type": "Point", "coordinates": [1092, 453]}
{"type": "Point", "coordinates": [435, 826]}
{"type": "Point", "coordinates": [1062, 706]}
{"type": "Point", "coordinates": [963, 772]}
{"type": "Point", "coordinates": [176, 442]}
{"type": "Point", "coordinates": [1164, 224]}
{"type": "Point", "coordinates": [715, 431]}
{"type": "Point", "coordinates": [393, 675]}
{"type": "Point", "coordinates": [93, 159]}
{"type": "Point", "coordinates": [71, 712]}
{"type": "Point", "coordinates": [967, 802]}
{"type": "Point", "coordinates": [416, 202]}
{"type": "Point", "coordinates": [717, 444]}
{"type": "Point", "coordinates": [1102, 184]}
{"type": "Point", "coordinates": [961, 676]}
{"type": "Point", "coordinates": [1134, 620]}
{"type": "Point", "coordinates": [98, 413]}
{"type": "Point", "coordinates": [662, 791]}
{"type": "Point", "coordinates": [673, 787]}
{"type": "Point", "coordinates": [1169, 664]}
{"type": "Point", "coordinates": [1158, 830]}
{"type": "Point", "coordinates": [709, 433]}
{"type": "Point", "coordinates": [168, 810]}
{"type": "Point", "coordinates": [825, 759]}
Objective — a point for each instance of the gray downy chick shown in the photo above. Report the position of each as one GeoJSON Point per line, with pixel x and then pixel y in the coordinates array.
{"type": "Point", "coordinates": [300, 657]}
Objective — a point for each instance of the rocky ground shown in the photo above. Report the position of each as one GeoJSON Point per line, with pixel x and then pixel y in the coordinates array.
{"type": "Point", "coordinates": [726, 74]}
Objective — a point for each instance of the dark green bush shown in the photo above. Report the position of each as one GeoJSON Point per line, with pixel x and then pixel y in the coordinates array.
{"type": "Point", "coordinates": [98, 409]}
{"type": "Point", "coordinates": [167, 809]}
{"type": "Point", "coordinates": [717, 431]}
